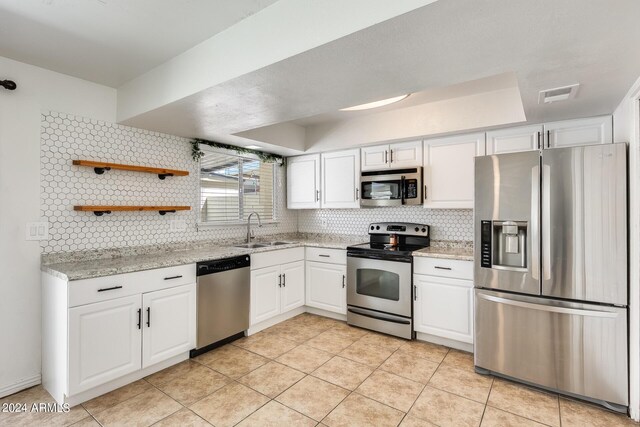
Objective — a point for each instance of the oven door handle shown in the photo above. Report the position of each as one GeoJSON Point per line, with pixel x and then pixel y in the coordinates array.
{"type": "Point", "coordinates": [373, 316]}
{"type": "Point", "coordinates": [378, 257]}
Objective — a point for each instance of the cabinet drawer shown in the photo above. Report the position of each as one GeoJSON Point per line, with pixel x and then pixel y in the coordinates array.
{"type": "Point", "coordinates": [443, 267]}
{"type": "Point", "coordinates": [120, 285]}
{"type": "Point", "coordinates": [334, 256]}
{"type": "Point", "coordinates": [277, 257]}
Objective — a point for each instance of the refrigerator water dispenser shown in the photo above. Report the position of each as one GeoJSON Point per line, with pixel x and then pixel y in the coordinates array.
{"type": "Point", "coordinates": [504, 245]}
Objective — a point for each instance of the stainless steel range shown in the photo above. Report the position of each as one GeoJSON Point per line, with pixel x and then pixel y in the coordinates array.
{"type": "Point", "coordinates": [380, 278]}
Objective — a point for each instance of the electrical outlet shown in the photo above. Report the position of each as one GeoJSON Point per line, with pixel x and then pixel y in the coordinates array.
{"type": "Point", "coordinates": [324, 223]}
{"type": "Point", "coordinates": [37, 230]}
{"type": "Point", "coordinates": [176, 225]}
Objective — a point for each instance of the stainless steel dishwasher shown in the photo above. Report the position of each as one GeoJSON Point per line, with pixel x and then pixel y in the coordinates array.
{"type": "Point", "coordinates": [223, 288]}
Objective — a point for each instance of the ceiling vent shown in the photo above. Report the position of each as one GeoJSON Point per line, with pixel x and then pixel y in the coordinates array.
{"type": "Point", "coordinates": [563, 93]}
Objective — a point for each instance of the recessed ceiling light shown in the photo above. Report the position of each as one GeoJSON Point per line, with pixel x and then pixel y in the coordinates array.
{"type": "Point", "coordinates": [563, 93]}
{"type": "Point", "coordinates": [375, 104]}
{"type": "Point", "coordinates": [253, 147]}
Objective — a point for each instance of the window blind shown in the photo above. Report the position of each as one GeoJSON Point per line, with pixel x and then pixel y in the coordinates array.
{"type": "Point", "coordinates": [231, 187]}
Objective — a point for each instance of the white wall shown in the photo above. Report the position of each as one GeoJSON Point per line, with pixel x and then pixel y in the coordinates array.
{"type": "Point", "coordinates": [626, 122]}
{"type": "Point", "coordinates": [38, 90]}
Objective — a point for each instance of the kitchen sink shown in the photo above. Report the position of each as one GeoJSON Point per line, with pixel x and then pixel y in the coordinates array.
{"type": "Point", "coordinates": [260, 245]}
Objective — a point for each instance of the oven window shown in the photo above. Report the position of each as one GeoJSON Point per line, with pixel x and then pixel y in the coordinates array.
{"type": "Point", "coordinates": [381, 190]}
{"type": "Point", "coordinates": [378, 283]}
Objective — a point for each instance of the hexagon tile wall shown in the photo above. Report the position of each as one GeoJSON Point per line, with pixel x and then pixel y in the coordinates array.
{"type": "Point", "coordinates": [446, 224]}
{"type": "Point", "coordinates": [65, 138]}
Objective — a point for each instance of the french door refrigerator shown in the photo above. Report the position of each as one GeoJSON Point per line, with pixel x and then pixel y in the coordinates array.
{"type": "Point", "coordinates": [551, 270]}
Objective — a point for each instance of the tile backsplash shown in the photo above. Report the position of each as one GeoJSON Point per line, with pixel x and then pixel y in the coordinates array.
{"type": "Point", "coordinates": [65, 138]}
{"type": "Point", "coordinates": [446, 224]}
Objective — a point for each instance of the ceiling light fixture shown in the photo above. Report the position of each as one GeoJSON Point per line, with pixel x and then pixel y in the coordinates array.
{"type": "Point", "coordinates": [375, 104]}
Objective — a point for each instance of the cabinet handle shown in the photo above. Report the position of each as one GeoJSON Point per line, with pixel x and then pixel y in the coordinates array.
{"type": "Point", "coordinates": [425, 192]}
{"type": "Point", "coordinates": [357, 195]}
{"type": "Point", "coordinates": [548, 139]}
{"type": "Point", "coordinates": [539, 140]}
{"type": "Point", "coordinates": [386, 157]}
{"type": "Point", "coordinates": [173, 277]}
{"type": "Point", "coordinates": [109, 289]}
{"type": "Point", "coordinates": [442, 268]}
{"type": "Point", "coordinates": [317, 195]}
{"type": "Point", "coordinates": [391, 156]}
{"type": "Point", "coordinates": [415, 293]}
{"type": "Point", "coordinates": [284, 280]}
{"type": "Point", "coordinates": [343, 279]}
{"type": "Point", "coordinates": [148, 317]}
{"type": "Point", "coordinates": [139, 318]}
{"type": "Point", "coordinates": [279, 280]}
{"type": "Point", "coordinates": [325, 256]}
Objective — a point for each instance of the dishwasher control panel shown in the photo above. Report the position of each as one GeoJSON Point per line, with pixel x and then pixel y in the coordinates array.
{"type": "Point", "coordinates": [216, 266]}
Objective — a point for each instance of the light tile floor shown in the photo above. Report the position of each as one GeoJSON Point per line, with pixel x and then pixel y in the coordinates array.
{"type": "Point", "coordinates": [310, 371]}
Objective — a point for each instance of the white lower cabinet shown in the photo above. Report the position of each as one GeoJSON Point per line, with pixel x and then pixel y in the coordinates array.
{"type": "Point", "coordinates": [277, 286]}
{"type": "Point", "coordinates": [104, 342]}
{"type": "Point", "coordinates": [444, 307]}
{"type": "Point", "coordinates": [443, 298]}
{"type": "Point", "coordinates": [326, 286]}
{"type": "Point", "coordinates": [169, 323]}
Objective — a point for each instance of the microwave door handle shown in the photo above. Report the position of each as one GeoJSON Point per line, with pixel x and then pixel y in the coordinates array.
{"type": "Point", "coordinates": [402, 184]}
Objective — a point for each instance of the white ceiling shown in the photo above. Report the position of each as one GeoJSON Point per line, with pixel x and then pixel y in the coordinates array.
{"type": "Point", "coordinates": [546, 43]}
{"type": "Point", "coordinates": [112, 41]}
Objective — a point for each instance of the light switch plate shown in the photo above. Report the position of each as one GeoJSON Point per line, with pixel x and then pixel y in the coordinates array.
{"type": "Point", "coordinates": [176, 225]}
{"type": "Point", "coordinates": [37, 230]}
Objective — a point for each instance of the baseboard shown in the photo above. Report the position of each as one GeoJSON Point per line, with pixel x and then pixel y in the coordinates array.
{"type": "Point", "coordinates": [19, 386]}
{"type": "Point", "coordinates": [445, 341]}
{"type": "Point", "coordinates": [326, 313]}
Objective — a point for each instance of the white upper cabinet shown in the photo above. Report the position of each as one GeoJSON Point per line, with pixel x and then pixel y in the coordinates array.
{"type": "Point", "coordinates": [392, 156]}
{"type": "Point", "coordinates": [567, 133]}
{"type": "Point", "coordinates": [341, 179]}
{"type": "Point", "coordinates": [449, 170]}
{"type": "Point", "coordinates": [512, 140]}
{"type": "Point", "coordinates": [303, 182]}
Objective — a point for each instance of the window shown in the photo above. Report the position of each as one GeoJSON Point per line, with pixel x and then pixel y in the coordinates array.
{"type": "Point", "coordinates": [231, 187]}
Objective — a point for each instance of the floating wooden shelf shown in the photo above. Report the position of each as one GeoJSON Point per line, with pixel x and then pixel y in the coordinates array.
{"type": "Point", "coordinates": [101, 167]}
{"type": "Point", "coordinates": [101, 210]}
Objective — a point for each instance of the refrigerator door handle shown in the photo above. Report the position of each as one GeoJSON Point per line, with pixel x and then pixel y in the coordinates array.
{"type": "Point", "coordinates": [548, 308]}
{"type": "Point", "coordinates": [546, 222]}
{"type": "Point", "coordinates": [535, 222]}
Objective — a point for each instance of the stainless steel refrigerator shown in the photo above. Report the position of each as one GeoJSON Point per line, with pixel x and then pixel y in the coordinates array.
{"type": "Point", "coordinates": [551, 270]}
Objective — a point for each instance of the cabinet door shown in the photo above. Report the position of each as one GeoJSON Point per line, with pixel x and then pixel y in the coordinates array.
{"type": "Point", "coordinates": [265, 293]}
{"type": "Point", "coordinates": [444, 307]}
{"type": "Point", "coordinates": [448, 170]}
{"type": "Point", "coordinates": [405, 154]}
{"type": "Point", "coordinates": [375, 158]}
{"type": "Point", "coordinates": [292, 291]}
{"type": "Point", "coordinates": [593, 130]}
{"type": "Point", "coordinates": [303, 182]}
{"type": "Point", "coordinates": [341, 179]}
{"type": "Point", "coordinates": [326, 286]}
{"type": "Point", "coordinates": [169, 327]}
{"type": "Point", "coordinates": [104, 342]}
{"type": "Point", "coordinates": [512, 140]}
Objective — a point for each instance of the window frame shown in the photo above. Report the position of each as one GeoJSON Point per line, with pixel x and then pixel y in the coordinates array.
{"type": "Point", "coordinates": [212, 224]}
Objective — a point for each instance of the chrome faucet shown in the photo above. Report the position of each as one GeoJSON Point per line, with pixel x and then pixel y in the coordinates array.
{"type": "Point", "coordinates": [249, 236]}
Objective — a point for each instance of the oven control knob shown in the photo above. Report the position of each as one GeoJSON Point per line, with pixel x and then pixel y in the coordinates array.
{"type": "Point", "coordinates": [377, 227]}
{"type": "Point", "coordinates": [424, 230]}
{"type": "Point", "coordinates": [417, 229]}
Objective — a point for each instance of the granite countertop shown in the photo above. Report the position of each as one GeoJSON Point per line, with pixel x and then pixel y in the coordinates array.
{"type": "Point", "coordinates": [101, 265]}
{"type": "Point", "coordinates": [462, 251]}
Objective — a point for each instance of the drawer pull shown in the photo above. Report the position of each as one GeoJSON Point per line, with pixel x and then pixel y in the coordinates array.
{"type": "Point", "coordinates": [173, 277]}
{"type": "Point", "coordinates": [109, 289]}
{"type": "Point", "coordinates": [442, 268]}
{"type": "Point", "coordinates": [325, 256]}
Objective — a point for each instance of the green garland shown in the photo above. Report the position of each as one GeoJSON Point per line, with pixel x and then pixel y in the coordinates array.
{"type": "Point", "coordinates": [197, 154]}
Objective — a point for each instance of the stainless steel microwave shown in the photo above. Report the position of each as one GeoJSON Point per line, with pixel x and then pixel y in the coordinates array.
{"type": "Point", "coordinates": [391, 187]}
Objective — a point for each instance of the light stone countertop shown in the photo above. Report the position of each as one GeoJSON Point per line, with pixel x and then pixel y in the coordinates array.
{"type": "Point", "coordinates": [87, 265]}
